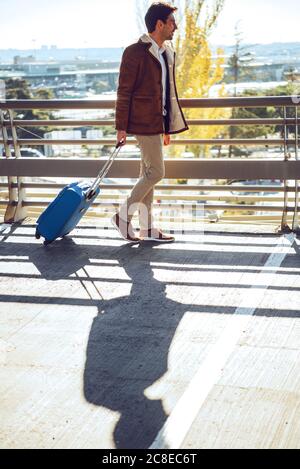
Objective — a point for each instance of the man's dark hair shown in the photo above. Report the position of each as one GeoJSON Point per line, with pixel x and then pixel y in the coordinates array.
{"type": "Point", "coordinates": [158, 11]}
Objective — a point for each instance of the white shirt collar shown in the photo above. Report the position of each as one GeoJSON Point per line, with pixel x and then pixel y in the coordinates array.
{"type": "Point", "coordinates": [161, 49]}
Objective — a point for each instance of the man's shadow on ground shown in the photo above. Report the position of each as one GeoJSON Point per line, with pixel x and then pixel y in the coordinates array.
{"type": "Point", "coordinates": [128, 350]}
{"type": "Point", "coordinates": [130, 337]}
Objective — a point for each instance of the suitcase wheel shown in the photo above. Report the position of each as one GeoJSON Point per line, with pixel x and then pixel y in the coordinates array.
{"type": "Point", "coordinates": [47, 241]}
{"type": "Point", "coordinates": [37, 234]}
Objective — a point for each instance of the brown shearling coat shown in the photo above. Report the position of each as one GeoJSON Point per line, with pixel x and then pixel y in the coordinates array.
{"type": "Point", "coordinates": [139, 96]}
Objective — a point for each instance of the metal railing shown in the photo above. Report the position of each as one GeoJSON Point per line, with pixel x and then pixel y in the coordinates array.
{"type": "Point", "coordinates": [21, 194]}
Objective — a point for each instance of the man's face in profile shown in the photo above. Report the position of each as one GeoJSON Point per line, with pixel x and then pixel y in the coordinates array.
{"type": "Point", "coordinates": [169, 27]}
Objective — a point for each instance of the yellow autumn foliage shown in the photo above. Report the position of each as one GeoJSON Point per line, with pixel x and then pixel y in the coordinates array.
{"type": "Point", "coordinates": [197, 72]}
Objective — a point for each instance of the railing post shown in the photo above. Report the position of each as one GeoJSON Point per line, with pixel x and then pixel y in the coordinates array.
{"type": "Point", "coordinates": [295, 225]}
{"type": "Point", "coordinates": [284, 228]}
{"type": "Point", "coordinates": [20, 212]}
{"type": "Point", "coordinates": [12, 191]}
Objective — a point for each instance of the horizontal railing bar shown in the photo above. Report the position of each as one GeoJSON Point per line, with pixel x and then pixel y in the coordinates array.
{"type": "Point", "coordinates": [81, 141]}
{"type": "Point", "coordinates": [106, 213]}
{"type": "Point", "coordinates": [159, 195]}
{"type": "Point", "coordinates": [100, 122]}
{"type": "Point", "coordinates": [166, 187]}
{"type": "Point", "coordinates": [200, 168]}
{"type": "Point", "coordinates": [272, 216]}
{"type": "Point", "coordinates": [265, 121]}
{"type": "Point", "coordinates": [174, 141]}
{"type": "Point", "coordinates": [182, 198]}
{"type": "Point", "coordinates": [200, 197]}
{"type": "Point", "coordinates": [57, 104]}
{"type": "Point", "coordinates": [232, 141]}
{"type": "Point", "coordinates": [264, 101]}
{"type": "Point", "coordinates": [241, 102]}
{"type": "Point", "coordinates": [246, 188]}
{"type": "Point", "coordinates": [261, 208]}
{"type": "Point", "coordinates": [61, 122]}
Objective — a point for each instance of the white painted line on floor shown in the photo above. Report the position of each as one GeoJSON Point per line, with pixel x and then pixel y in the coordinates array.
{"type": "Point", "coordinates": [177, 425]}
{"type": "Point", "coordinates": [5, 228]}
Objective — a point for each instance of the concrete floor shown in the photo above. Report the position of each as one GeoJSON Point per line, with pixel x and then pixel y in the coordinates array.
{"type": "Point", "coordinates": [193, 344]}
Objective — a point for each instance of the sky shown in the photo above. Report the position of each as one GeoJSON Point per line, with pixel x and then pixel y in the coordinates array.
{"type": "Point", "coordinates": [112, 23]}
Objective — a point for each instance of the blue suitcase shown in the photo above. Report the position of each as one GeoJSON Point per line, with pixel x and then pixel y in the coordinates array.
{"type": "Point", "coordinates": [63, 214]}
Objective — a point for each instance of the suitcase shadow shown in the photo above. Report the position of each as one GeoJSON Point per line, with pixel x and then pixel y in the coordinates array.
{"type": "Point", "coordinates": [61, 259]}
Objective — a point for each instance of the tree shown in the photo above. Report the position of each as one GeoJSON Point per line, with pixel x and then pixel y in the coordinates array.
{"type": "Point", "coordinates": [239, 62]}
{"type": "Point", "coordinates": [18, 88]}
{"type": "Point", "coordinates": [290, 89]}
{"type": "Point", "coordinates": [249, 131]}
{"type": "Point", "coordinates": [256, 131]}
{"type": "Point", "coordinates": [238, 70]}
{"type": "Point", "coordinates": [198, 71]}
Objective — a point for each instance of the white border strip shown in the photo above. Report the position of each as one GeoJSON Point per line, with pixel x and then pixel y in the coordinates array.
{"type": "Point", "coordinates": [176, 427]}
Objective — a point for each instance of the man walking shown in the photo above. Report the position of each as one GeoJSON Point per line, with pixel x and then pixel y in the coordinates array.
{"type": "Point", "coordinates": [148, 108]}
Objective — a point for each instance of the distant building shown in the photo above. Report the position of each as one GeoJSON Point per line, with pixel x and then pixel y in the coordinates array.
{"type": "Point", "coordinates": [2, 90]}
{"type": "Point", "coordinates": [18, 60]}
{"type": "Point", "coordinates": [69, 150]}
{"type": "Point", "coordinates": [57, 150]}
{"type": "Point", "coordinates": [293, 75]}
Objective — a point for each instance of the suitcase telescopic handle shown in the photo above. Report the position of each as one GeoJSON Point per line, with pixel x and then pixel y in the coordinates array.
{"type": "Point", "coordinates": [104, 170]}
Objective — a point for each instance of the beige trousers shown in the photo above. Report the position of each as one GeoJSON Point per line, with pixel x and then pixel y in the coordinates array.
{"type": "Point", "coordinates": [152, 170]}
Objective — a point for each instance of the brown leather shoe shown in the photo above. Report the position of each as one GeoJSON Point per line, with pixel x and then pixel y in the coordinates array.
{"type": "Point", "coordinates": [124, 228]}
{"type": "Point", "coordinates": [156, 235]}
